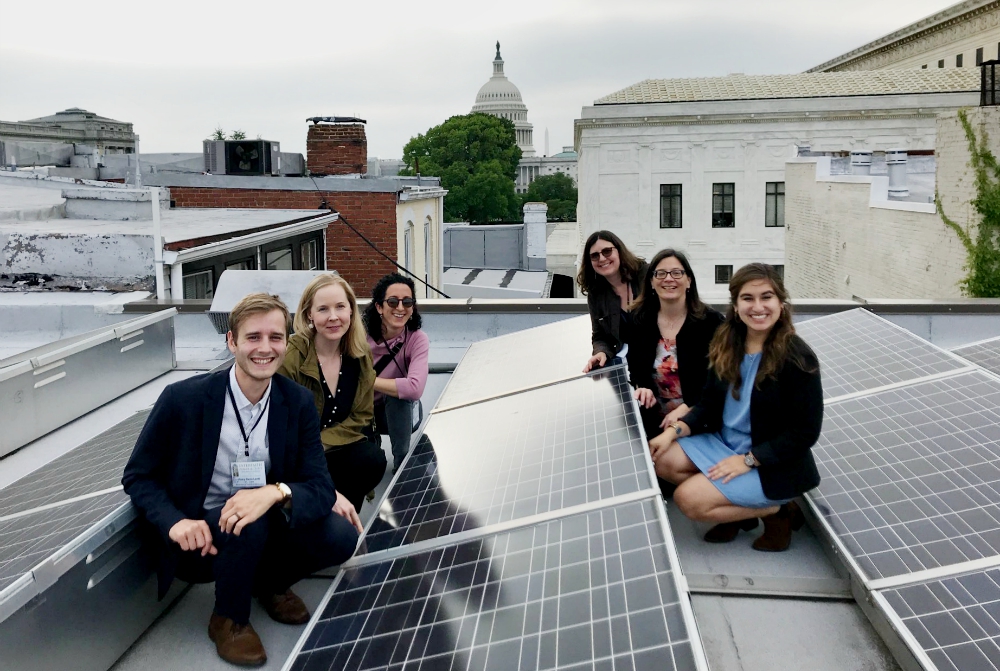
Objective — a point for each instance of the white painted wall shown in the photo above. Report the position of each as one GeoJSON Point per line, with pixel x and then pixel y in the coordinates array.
{"type": "Point", "coordinates": [423, 212]}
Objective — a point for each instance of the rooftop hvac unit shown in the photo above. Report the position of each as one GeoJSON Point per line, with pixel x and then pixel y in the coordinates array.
{"type": "Point", "coordinates": [242, 157]}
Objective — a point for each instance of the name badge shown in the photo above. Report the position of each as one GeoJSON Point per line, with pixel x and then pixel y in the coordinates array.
{"type": "Point", "coordinates": [248, 474]}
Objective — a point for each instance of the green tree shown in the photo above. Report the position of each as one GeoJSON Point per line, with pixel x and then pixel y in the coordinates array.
{"type": "Point", "coordinates": [556, 191]}
{"type": "Point", "coordinates": [476, 157]}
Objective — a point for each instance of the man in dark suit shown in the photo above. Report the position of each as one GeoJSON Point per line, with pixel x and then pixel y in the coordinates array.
{"type": "Point", "coordinates": [230, 479]}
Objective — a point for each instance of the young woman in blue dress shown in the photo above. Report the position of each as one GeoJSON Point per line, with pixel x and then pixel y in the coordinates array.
{"type": "Point", "coordinates": [744, 451]}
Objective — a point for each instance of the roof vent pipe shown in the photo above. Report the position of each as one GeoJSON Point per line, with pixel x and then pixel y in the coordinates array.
{"type": "Point", "coordinates": [861, 163]}
{"type": "Point", "coordinates": [895, 160]}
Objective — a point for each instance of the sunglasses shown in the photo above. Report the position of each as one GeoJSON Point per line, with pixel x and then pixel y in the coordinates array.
{"type": "Point", "coordinates": [606, 253]}
{"type": "Point", "coordinates": [394, 302]}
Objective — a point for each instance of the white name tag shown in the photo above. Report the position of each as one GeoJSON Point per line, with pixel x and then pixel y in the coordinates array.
{"type": "Point", "coordinates": [248, 474]}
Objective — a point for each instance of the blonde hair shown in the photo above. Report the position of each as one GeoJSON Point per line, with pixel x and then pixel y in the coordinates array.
{"type": "Point", "coordinates": [354, 343]}
{"type": "Point", "coordinates": [254, 304]}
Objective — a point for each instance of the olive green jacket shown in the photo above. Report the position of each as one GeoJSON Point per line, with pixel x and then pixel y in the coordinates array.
{"type": "Point", "coordinates": [302, 365]}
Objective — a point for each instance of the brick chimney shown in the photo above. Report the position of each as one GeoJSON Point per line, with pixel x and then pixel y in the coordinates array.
{"type": "Point", "coordinates": [337, 149]}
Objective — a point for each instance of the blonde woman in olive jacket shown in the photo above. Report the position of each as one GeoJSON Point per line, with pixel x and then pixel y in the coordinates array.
{"type": "Point", "coordinates": [329, 356]}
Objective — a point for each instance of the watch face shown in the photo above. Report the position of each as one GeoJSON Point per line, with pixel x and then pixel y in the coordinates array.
{"type": "Point", "coordinates": [748, 460]}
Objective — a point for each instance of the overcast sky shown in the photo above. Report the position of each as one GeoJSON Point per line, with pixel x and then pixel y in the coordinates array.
{"type": "Point", "coordinates": [177, 70]}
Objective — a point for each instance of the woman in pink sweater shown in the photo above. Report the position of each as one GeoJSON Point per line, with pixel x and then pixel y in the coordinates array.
{"type": "Point", "coordinates": [400, 351]}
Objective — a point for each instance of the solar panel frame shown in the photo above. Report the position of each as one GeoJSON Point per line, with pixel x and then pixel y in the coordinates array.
{"type": "Point", "coordinates": [842, 353]}
{"type": "Point", "coordinates": [521, 366]}
{"type": "Point", "coordinates": [420, 495]}
{"type": "Point", "coordinates": [873, 582]}
{"type": "Point", "coordinates": [982, 353]}
{"type": "Point", "coordinates": [653, 515]}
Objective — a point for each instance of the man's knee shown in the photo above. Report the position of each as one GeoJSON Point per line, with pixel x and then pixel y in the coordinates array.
{"type": "Point", "coordinates": [335, 540]}
{"type": "Point", "coordinates": [252, 537]}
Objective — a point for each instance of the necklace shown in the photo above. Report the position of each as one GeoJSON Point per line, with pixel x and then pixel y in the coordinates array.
{"type": "Point", "coordinates": [671, 326]}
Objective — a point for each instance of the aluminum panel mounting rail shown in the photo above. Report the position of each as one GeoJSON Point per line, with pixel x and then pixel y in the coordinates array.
{"type": "Point", "coordinates": [599, 590]}
{"type": "Point", "coordinates": [519, 361]}
{"type": "Point", "coordinates": [66, 382]}
{"type": "Point", "coordinates": [985, 353]}
{"type": "Point", "coordinates": [862, 352]}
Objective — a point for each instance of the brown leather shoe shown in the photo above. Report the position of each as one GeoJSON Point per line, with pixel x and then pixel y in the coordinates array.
{"type": "Point", "coordinates": [236, 643]}
{"type": "Point", "coordinates": [778, 528]}
{"type": "Point", "coordinates": [285, 608]}
{"type": "Point", "coordinates": [727, 531]}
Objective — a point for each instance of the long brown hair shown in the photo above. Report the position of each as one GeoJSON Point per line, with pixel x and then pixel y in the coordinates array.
{"type": "Point", "coordinates": [647, 305]}
{"type": "Point", "coordinates": [628, 263]}
{"type": "Point", "coordinates": [354, 343]}
{"type": "Point", "coordinates": [725, 354]}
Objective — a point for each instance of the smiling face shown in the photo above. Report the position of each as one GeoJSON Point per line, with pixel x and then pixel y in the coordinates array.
{"type": "Point", "coordinates": [669, 288]}
{"type": "Point", "coordinates": [259, 348]}
{"type": "Point", "coordinates": [605, 266]}
{"type": "Point", "coordinates": [394, 318]}
{"type": "Point", "coordinates": [330, 313]}
{"type": "Point", "coordinates": [758, 306]}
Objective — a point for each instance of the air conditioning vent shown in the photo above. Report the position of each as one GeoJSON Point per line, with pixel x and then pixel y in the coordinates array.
{"type": "Point", "coordinates": [242, 157]}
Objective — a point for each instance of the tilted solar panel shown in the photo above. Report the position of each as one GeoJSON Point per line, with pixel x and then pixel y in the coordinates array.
{"type": "Point", "coordinates": [94, 466]}
{"type": "Point", "coordinates": [521, 360]}
{"type": "Point", "coordinates": [859, 351]}
{"type": "Point", "coordinates": [550, 448]}
{"type": "Point", "coordinates": [591, 591]}
{"type": "Point", "coordinates": [911, 475]}
{"type": "Point", "coordinates": [985, 354]}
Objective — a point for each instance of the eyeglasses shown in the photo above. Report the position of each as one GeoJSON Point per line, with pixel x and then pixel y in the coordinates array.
{"type": "Point", "coordinates": [606, 253]}
{"type": "Point", "coordinates": [675, 273]}
{"type": "Point", "coordinates": [394, 302]}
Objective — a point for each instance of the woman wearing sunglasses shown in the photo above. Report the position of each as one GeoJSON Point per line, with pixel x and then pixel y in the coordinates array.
{"type": "Point", "coordinates": [668, 344]}
{"type": "Point", "coordinates": [609, 277]}
{"type": "Point", "coordinates": [329, 356]}
{"type": "Point", "coordinates": [400, 350]}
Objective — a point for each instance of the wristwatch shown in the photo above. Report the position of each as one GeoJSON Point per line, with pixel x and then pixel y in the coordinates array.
{"type": "Point", "coordinates": [749, 460]}
{"type": "Point", "coordinates": [286, 491]}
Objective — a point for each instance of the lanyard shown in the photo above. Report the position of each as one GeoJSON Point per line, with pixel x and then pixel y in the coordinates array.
{"type": "Point", "coordinates": [246, 434]}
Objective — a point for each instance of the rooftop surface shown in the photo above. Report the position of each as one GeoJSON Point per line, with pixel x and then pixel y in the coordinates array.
{"type": "Point", "coordinates": [805, 85]}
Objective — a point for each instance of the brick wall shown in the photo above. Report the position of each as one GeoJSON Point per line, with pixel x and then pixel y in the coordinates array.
{"type": "Point", "coordinates": [337, 149]}
{"type": "Point", "coordinates": [374, 214]}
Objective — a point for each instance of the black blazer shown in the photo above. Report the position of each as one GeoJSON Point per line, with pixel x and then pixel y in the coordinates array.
{"type": "Point", "coordinates": [605, 313]}
{"type": "Point", "coordinates": [786, 416]}
{"type": "Point", "coordinates": [170, 469]}
{"type": "Point", "coordinates": [692, 359]}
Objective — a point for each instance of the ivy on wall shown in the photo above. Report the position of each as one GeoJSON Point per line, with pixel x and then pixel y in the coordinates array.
{"type": "Point", "coordinates": [983, 252]}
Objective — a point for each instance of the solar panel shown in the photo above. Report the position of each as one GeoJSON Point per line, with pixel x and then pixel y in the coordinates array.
{"type": "Point", "coordinates": [520, 360]}
{"type": "Point", "coordinates": [911, 475]}
{"type": "Point", "coordinates": [985, 354]}
{"type": "Point", "coordinates": [952, 621]}
{"type": "Point", "coordinates": [859, 351]}
{"type": "Point", "coordinates": [509, 458]}
{"type": "Point", "coordinates": [94, 466]}
{"type": "Point", "coordinates": [27, 540]}
{"type": "Point", "coordinates": [592, 591]}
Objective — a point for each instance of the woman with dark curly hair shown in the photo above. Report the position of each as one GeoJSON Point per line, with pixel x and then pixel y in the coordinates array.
{"type": "Point", "coordinates": [744, 451]}
{"type": "Point", "coordinates": [400, 351]}
{"type": "Point", "coordinates": [609, 277]}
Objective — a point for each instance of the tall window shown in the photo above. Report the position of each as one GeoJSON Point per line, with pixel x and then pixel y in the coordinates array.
{"type": "Point", "coordinates": [427, 257]}
{"type": "Point", "coordinates": [958, 60]}
{"type": "Point", "coordinates": [774, 204]}
{"type": "Point", "coordinates": [941, 63]}
{"type": "Point", "coordinates": [199, 284]}
{"type": "Point", "coordinates": [723, 274]}
{"type": "Point", "coordinates": [780, 269]}
{"type": "Point", "coordinates": [723, 205]}
{"type": "Point", "coordinates": [670, 206]}
{"type": "Point", "coordinates": [979, 56]}
{"type": "Point", "coordinates": [408, 248]}
{"type": "Point", "coordinates": [309, 255]}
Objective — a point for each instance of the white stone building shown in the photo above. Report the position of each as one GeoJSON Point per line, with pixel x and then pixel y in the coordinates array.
{"type": "Point", "coordinates": [699, 164]}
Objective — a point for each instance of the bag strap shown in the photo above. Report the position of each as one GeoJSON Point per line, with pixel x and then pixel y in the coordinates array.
{"type": "Point", "coordinates": [384, 360]}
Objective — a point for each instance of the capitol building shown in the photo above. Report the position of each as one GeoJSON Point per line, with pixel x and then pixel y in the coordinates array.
{"type": "Point", "coordinates": [501, 98]}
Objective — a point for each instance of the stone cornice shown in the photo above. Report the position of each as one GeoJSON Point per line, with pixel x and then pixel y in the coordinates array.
{"type": "Point", "coordinates": [928, 33]}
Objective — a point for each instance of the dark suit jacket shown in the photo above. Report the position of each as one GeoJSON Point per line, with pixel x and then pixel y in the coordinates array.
{"type": "Point", "coordinates": [170, 469]}
{"type": "Point", "coordinates": [692, 359]}
{"type": "Point", "coordinates": [786, 416]}
{"type": "Point", "coordinates": [605, 313]}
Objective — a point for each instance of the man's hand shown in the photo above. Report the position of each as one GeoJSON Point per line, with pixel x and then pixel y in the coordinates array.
{"type": "Point", "coordinates": [674, 415]}
{"type": "Point", "coordinates": [345, 509]}
{"type": "Point", "coordinates": [246, 507]}
{"type": "Point", "coordinates": [596, 361]}
{"type": "Point", "coordinates": [646, 397]}
{"type": "Point", "coordinates": [193, 535]}
{"type": "Point", "coordinates": [728, 468]}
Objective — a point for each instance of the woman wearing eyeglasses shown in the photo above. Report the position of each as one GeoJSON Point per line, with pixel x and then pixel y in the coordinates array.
{"type": "Point", "coordinates": [668, 345]}
{"type": "Point", "coordinates": [329, 356]}
{"type": "Point", "coordinates": [400, 350]}
{"type": "Point", "coordinates": [609, 277]}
